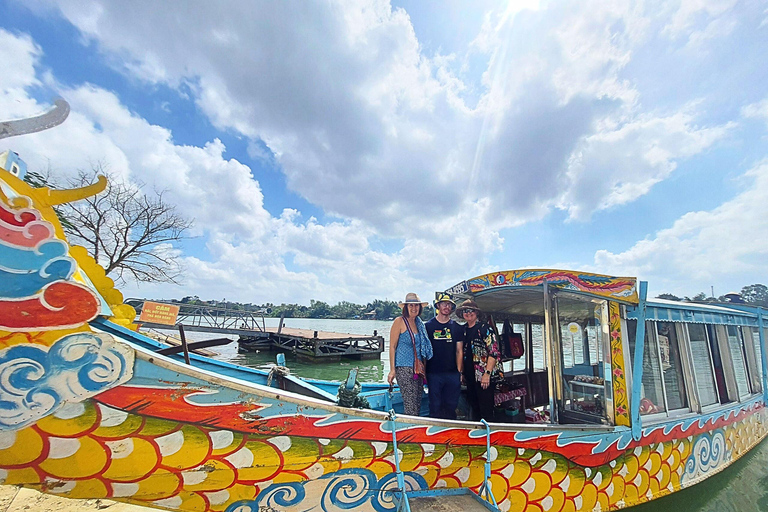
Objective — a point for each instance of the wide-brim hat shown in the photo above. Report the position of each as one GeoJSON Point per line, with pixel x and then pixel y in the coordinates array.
{"type": "Point", "coordinates": [444, 297]}
{"type": "Point", "coordinates": [412, 298]}
{"type": "Point", "coordinates": [467, 305]}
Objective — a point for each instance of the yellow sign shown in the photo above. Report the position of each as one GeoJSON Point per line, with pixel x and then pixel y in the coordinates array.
{"type": "Point", "coordinates": [157, 313]}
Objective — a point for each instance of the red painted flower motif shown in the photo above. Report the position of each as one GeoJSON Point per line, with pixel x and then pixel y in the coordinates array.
{"type": "Point", "coordinates": [618, 373]}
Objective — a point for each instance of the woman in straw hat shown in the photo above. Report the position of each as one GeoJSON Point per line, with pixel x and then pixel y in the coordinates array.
{"type": "Point", "coordinates": [481, 353]}
{"type": "Point", "coordinates": [409, 346]}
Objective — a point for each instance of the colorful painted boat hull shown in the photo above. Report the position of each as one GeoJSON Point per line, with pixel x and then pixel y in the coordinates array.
{"type": "Point", "coordinates": [87, 411]}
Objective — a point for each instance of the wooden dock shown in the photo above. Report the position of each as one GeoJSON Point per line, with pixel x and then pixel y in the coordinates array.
{"type": "Point", "coordinates": [314, 345]}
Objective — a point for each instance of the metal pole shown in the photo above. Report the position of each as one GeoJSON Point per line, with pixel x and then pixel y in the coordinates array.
{"type": "Point", "coordinates": [485, 489]}
{"type": "Point", "coordinates": [549, 354]}
{"type": "Point", "coordinates": [637, 363]}
{"type": "Point", "coordinates": [404, 504]}
{"type": "Point", "coordinates": [763, 361]}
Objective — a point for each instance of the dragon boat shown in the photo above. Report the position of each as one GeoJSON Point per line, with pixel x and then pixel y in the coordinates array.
{"type": "Point", "coordinates": [626, 399]}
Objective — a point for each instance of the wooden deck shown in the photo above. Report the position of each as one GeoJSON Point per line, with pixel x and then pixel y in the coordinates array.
{"type": "Point", "coordinates": [315, 345]}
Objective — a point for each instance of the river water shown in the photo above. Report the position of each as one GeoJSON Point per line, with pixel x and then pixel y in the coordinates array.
{"type": "Point", "coordinates": [741, 487]}
{"type": "Point", "coordinates": [369, 371]}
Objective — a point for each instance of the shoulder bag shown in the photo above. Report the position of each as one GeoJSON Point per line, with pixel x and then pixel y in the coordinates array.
{"type": "Point", "coordinates": [419, 369]}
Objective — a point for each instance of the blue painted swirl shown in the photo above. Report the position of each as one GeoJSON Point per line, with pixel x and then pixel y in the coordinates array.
{"type": "Point", "coordinates": [709, 452]}
{"type": "Point", "coordinates": [349, 489]}
{"type": "Point", "coordinates": [279, 496]}
{"type": "Point", "coordinates": [387, 497]}
{"type": "Point", "coordinates": [346, 489]}
{"type": "Point", "coordinates": [35, 382]}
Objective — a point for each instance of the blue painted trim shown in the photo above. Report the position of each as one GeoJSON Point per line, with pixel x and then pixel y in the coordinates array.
{"type": "Point", "coordinates": [764, 361]}
{"type": "Point", "coordinates": [691, 313]}
{"type": "Point", "coordinates": [637, 363]}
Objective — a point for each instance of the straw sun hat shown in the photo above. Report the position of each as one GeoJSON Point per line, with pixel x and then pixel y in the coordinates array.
{"type": "Point", "coordinates": [412, 298]}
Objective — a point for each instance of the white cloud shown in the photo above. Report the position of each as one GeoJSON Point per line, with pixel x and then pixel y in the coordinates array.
{"type": "Point", "coordinates": [571, 108]}
{"type": "Point", "coordinates": [616, 166]}
{"type": "Point", "coordinates": [249, 248]}
{"type": "Point", "coordinates": [700, 248]}
{"type": "Point", "coordinates": [362, 122]}
{"type": "Point", "coordinates": [758, 110]}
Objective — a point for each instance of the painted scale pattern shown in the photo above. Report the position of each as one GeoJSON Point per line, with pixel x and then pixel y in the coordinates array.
{"type": "Point", "coordinates": [618, 375]}
{"type": "Point", "coordinates": [92, 450]}
{"type": "Point", "coordinates": [621, 288]}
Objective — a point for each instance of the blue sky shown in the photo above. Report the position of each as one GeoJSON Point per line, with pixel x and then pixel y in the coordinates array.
{"type": "Point", "coordinates": [360, 150]}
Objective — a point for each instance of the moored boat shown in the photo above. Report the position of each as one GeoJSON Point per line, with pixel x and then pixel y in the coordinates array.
{"type": "Point", "coordinates": [630, 399]}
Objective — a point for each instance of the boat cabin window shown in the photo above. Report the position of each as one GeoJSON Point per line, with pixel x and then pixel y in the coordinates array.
{"type": "Point", "coordinates": [652, 390]}
{"type": "Point", "coordinates": [758, 356]}
{"type": "Point", "coordinates": [671, 366]}
{"type": "Point", "coordinates": [753, 362]}
{"type": "Point", "coordinates": [693, 366]}
{"type": "Point", "coordinates": [583, 329]}
{"type": "Point", "coordinates": [703, 366]}
{"type": "Point", "coordinates": [519, 365]}
{"type": "Point", "coordinates": [738, 357]}
{"type": "Point", "coordinates": [537, 347]}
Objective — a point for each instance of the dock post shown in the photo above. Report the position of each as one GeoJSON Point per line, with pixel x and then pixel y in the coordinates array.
{"type": "Point", "coordinates": [280, 327]}
{"type": "Point", "coordinates": [184, 343]}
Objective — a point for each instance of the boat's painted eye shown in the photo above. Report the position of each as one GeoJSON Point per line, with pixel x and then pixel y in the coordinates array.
{"type": "Point", "coordinates": [500, 279]}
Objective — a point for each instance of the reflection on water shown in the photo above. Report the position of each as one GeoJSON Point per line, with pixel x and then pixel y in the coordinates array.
{"type": "Point", "coordinates": [743, 486]}
{"type": "Point", "coordinates": [369, 370]}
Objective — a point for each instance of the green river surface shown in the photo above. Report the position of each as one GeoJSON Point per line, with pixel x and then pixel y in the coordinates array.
{"type": "Point", "coordinates": [743, 486]}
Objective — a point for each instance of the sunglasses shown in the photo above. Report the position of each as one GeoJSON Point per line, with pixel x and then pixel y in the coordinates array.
{"type": "Point", "coordinates": [468, 311]}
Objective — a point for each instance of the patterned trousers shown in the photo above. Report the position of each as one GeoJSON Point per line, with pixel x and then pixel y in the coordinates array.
{"type": "Point", "coordinates": [410, 389]}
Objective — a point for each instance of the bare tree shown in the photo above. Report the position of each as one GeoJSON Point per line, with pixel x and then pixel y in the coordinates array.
{"type": "Point", "coordinates": [128, 232]}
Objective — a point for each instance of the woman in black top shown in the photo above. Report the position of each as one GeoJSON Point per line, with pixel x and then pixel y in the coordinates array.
{"type": "Point", "coordinates": [481, 353]}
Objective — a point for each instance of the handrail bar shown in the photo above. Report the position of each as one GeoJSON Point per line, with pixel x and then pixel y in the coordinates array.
{"type": "Point", "coordinates": [485, 489]}
{"type": "Point", "coordinates": [404, 504]}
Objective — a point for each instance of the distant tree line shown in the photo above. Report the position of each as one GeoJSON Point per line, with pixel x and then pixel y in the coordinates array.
{"type": "Point", "coordinates": [754, 295]}
{"type": "Point", "coordinates": [375, 310]}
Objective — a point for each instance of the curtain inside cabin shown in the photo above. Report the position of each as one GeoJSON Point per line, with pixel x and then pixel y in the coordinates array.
{"type": "Point", "coordinates": [702, 363]}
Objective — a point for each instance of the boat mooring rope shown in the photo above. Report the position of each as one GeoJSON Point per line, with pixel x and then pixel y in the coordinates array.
{"type": "Point", "coordinates": [280, 371]}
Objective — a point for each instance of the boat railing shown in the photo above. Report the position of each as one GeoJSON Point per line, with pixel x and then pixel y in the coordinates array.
{"type": "Point", "coordinates": [402, 503]}
{"type": "Point", "coordinates": [485, 489]}
{"type": "Point", "coordinates": [484, 495]}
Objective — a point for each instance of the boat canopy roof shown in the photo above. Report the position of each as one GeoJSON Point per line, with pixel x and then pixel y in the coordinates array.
{"type": "Point", "coordinates": [520, 292]}
{"type": "Point", "coordinates": [510, 285]}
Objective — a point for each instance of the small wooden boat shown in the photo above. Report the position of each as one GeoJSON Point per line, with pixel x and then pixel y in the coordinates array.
{"type": "Point", "coordinates": [629, 399]}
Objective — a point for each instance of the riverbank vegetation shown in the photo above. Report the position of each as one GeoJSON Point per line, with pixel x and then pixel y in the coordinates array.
{"type": "Point", "coordinates": [374, 310]}
{"type": "Point", "coordinates": [754, 295]}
